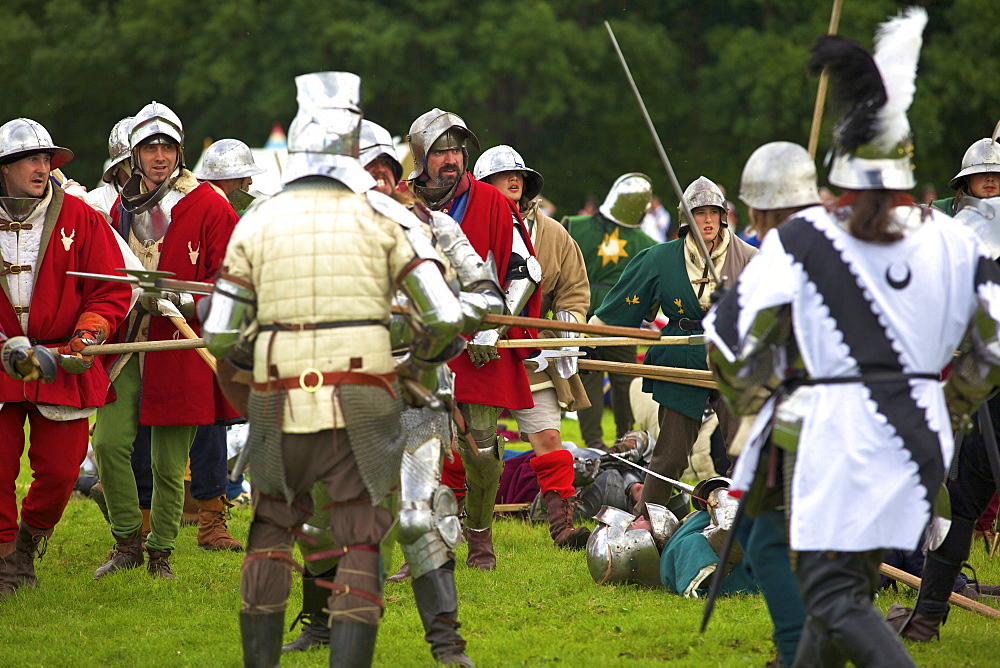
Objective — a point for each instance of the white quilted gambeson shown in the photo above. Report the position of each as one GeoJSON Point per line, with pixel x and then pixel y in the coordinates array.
{"type": "Point", "coordinates": [317, 255]}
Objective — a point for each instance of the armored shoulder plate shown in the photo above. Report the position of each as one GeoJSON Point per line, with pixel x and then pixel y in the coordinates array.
{"type": "Point", "coordinates": [398, 213]}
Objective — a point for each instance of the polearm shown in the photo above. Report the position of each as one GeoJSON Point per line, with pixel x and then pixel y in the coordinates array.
{"type": "Point", "coordinates": [823, 81]}
{"type": "Point", "coordinates": [557, 325]}
{"type": "Point", "coordinates": [601, 341]}
{"type": "Point", "coordinates": [666, 161]}
{"type": "Point", "coordinates": [143, 347]}
{"type": "Point", "coordinates": [954, 598]}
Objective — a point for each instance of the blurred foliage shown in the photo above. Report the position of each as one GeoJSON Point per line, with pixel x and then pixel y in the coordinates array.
{"type": "Point", "coordinates": [720, 77]}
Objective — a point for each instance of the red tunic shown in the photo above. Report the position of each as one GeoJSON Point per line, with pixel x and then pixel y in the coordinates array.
{"type": "Point", "coordinates": [488, 225]}
{"type": "Point", "coordinates": [178, 388]}
{"type": "Point", "coordinates": [78, 240]}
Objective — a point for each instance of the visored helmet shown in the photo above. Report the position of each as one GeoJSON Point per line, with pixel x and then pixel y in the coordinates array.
{"type": "Point", "coordinates": [437, 129]}
{"type": "Point", "coordinates": [323, 139]}
{"type": "Point", "coordinates": [983, 156]}
{"type": "Point", "coordinates": [505, 159]}
{"type": "Point", "coordinates": [25, 136]}
{"type": "Point", "coordinates": [376, 142]}
{"type": "Point", "coordinates": [779, 175]}
{"type": "Point", "coordinates": [617, 554]}
{"type": "Point", "coordinates": [701, 192]}
{"type": "Point", "coordinates": [628, 199]}
{"type": "Point", "coordinates": [227, 159]}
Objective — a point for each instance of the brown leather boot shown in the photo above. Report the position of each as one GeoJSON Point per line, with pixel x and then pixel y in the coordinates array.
{"type": "Point", "coordinates": [213, 534]}
{"type": "Point", "coordinates": [189, 514]}
{"type": "Point", "coordinates": [481, 554]}
{"type": "Point", "coordinates": [159, 565]}
{"type": "Point", "coordinates": [28, 544]}
{"type": "Point", "coordinates": [127, 553]}
{"type": "Point", "coordinates": [561, 523]}
{"type": "Point", "coordinates": [8, 570]}
{"type": "Point", "coordinates": [911, 625]}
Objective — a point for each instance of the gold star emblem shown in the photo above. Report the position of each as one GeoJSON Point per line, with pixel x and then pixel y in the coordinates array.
{"type": "Point", "coordinates": [611, 248]}
{"type": "Point", "coordinates": [634, 299]}
{"type": "Point", "coordinates": [677, 303]}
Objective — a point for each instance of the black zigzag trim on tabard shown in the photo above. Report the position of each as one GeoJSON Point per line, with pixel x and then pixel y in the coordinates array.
{"type": "Point", "coordinates": [868, 343]}
{"type": "Point", "coordinates": [987, 271]}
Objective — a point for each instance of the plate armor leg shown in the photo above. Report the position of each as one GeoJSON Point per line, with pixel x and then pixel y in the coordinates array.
{"type": "Point", "coordinates": [483, 468]}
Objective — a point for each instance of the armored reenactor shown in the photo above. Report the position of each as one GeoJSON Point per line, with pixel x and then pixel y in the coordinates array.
{"type": "Point", "coordinates": [866, 419]}
{"type": "Point", "coordinates": [115, 175]}
{"type": "Point", "coordinates": [46, 319]}
{"type": "Point", "coordinates": [172, 392]}
{"type": "Point", "coordinates": [674, 278]}
{"type": "Point", "coordinates": [325, 405]}
{"type": "Point", "coordinates": [610, 239]}
{"type": "Point", "coordinates": [488, 378]}
{"type": "Point", "coordinates": [428, 527]}
{"type": "Point", "coordinates": [229, 167]}
{"type": "Point", "coordinates": [566, 294]}
{"type": "Point", "coordinates": [979, 177]}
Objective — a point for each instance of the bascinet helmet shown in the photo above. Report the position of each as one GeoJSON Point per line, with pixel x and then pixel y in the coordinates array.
{"type": "Point", "coordinates": [119, 149]}
{"type": "Point", "coordinates": [376, 142]}
{"type": "Point", "coordinates": [505, 159]}
{"type": "Point", "coordinates": [701, 192]}
{"type": "Point", "coordinates": [227, 159]}
{"type": "Point", "coordinates": [617, 554]}
{"type": "Point", "coordinates": [983, 156]}
{"type": "Point", "coordinates": [23, 136]}
{"type": "Point", "coordinates": [437, 129]}
{"type": "Point", "coordinates": [628, 199]}
{"type": "Point", "coordinates": [779, 175]}
{"type": "Point", "coordinates": [872, 144]}
{"type": "Point", "coordinates": [323, 138]}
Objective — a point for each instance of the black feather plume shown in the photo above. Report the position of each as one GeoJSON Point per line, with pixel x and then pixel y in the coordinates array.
{"type": "Point", "coordinates": [856, 88]}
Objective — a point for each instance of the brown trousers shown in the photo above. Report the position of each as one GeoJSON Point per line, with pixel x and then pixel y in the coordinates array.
{"type": "Point", "coordinates": [673, 447]}
{"type": "Point", "coordinates": [324, 457]}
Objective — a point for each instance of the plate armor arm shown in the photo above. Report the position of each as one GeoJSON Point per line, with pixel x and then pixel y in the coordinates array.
{"type": "Point", "coordinates": [975, 372]}
{"type": "Point", "coordinates": [758, 369]}
{"type": "Point", "coordinates": [524, 274]}
{"type": "Point", "coordinates": [228, 327]}
{"type": "Point", "coordinates": [481, 292]}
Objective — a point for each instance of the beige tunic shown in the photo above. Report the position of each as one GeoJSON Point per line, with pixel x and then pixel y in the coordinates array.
{"type": "Point", "coordinates": [564, 288]}
{"type": "Point", "coordinates": [318, 255]}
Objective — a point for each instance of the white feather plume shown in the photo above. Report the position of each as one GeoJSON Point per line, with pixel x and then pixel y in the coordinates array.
{"type": "Point", "coordinates": [897, 50]}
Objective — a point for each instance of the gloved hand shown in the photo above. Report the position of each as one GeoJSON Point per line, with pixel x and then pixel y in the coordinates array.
{"type": "Point", "coordinates": [182, 300]}
{"type": "Point", "coordinates": [483, 347]}
{"type": "Point", "coordinates": [91, 330]}
{"type": "Point", "coordinates": [22, 361]}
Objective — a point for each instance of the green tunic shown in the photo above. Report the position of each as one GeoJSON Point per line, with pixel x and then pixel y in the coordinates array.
{"type": "Point", "coordinates": [607, 249]}
{"type": "Point", "coordinates": [947, 205]}
{"type": "Point", "coordinates": [657, 277]}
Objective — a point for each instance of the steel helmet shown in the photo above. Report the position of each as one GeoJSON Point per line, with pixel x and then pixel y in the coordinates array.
{"type": "Point", "coordinates": [227, 159]}
{"type": "Point", "coordinates": [118, 147]}
{"type": "Point", "coordinates": [983, 156]}
{"type": "Point", "coordinates": [434, 127]}
{"type": "Point", "coordinates": [23, 135]}
{"type": "Point", "coordinates": [505, 159]}
{"type": "Point", "coordinates": [376, 142]}
{"type": "Point", "coordinates": [628, 199]}
{"type": "Point", "coordinates": [701, 192]}
{"type": "Point", "coordinates": [617, 554]}
{"type": "Point", "coordinates": [779, 175]}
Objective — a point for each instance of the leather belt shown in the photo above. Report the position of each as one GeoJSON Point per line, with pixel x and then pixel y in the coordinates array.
{"type": "Point", "coordinates": [331, 324]}
{"type": "Point", "coordinates": [688, 325]}
{"type": "Point", "coordinates": [312, 379]}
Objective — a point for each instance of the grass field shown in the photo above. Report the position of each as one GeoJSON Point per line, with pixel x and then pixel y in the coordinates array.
{"type": "Point", "coordinates": [540, 606]}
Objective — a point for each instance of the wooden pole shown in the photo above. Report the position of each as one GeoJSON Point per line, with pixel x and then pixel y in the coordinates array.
{"type": "Point", "coordinates": [143, 347]}
{"type": "Point", "coordinates": [954, 599]}
{"type": "Point", "coordinates": [599, 341]}
{"type": "Point", "coordinates": [694, 377]}
{"type": "Point", "coordinates": [823, 82]}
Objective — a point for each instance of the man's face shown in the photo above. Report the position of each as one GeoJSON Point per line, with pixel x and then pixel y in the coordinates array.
{"type": "Point", "coordinates": [445, 166]}
{"type": "Point", "coordinates": [381, 170]}
{"type": "Point", "coordinates": [509, 183]}
{"type": "Point", "coordinates": [28, 176]}
{"type": "Point", "coordinates": [984, 185]}
{"type": "Point", "coordinates": [708, 220]}
{"type": "Point", "coordinates": [157, 162]}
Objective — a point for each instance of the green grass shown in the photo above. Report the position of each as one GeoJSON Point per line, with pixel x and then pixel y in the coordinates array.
{"type": "Point", "coordinates": [539, 606]}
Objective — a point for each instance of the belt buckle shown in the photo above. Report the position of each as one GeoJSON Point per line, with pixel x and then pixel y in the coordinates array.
{"type": "Point", "coordinates": [307, 387]}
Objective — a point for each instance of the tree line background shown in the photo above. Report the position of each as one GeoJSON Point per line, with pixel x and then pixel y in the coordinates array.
{"type": "Point", "coordinates": [720, 77]}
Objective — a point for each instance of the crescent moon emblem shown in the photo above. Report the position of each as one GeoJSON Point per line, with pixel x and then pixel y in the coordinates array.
{"type": "Point", "coordinates": [900, 283]}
